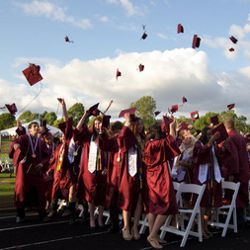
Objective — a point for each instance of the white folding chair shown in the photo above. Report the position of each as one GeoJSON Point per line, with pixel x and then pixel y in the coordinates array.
{"type": "Point", "coordinates": [194, 213]}
{"type": "Point", "coordinates": [228, 210]}
{"type": "Point", "coordinates": [144, 221]}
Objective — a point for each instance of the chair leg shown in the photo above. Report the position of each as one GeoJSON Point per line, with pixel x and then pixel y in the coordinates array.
{"type": "Point", "coordinates": [200, 228]}
{"type": "Point", "coordinates": [235, 220]}
{"type": "Point", "coordinates": [229, 215]}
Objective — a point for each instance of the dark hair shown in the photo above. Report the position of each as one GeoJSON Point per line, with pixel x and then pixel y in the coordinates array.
{"type": "Point", "coordinates": [32, 123]}
{"type": "Point", "coordinates": [155, 132]}
{"type": "Point", "coordinates": [204, 135]}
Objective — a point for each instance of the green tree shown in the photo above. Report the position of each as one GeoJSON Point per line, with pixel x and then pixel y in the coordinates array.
{"type": "Point", "coordinates": [204, 121]}
{"type": "Point", "coordinates": [28, 116]}
{"type": "Point", "coordinates": [57, 122]}
{"type": "Point", "coordinates": [50, 117]}
{"type": "Point", "coordinates": [145, 107]}
{"type": "Point", "coordinates": [76, 111]}
{"type": "Point", "coordinates": [6, 121]}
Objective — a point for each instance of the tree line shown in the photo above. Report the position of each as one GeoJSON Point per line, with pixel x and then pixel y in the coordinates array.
{"type": "Point", "coordinates": [146, 107]}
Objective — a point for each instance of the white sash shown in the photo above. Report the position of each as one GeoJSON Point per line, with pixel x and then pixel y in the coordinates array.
{"type": "Point", "coordinates": [132, 161]}
{"type": "Point", "coordinates": [71, 150]}
{"type": "Point", "coordinates": [217, 173]}
{"type": "Point", "coordinates": [174, 169]}
{"type": "Point", "coordinates": [203, 169]}
{"type": "Point", "coordinates": [92, 156]}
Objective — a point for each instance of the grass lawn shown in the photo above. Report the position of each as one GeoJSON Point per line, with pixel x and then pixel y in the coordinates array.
{"type": "Point", "coordinates": [6, 190]}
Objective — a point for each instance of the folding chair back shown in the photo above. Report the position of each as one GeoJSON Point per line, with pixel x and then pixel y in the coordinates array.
{"type": "Point", "coordinates": [193, 213]}
{"type": "Point", "coordinates": [228, 210]}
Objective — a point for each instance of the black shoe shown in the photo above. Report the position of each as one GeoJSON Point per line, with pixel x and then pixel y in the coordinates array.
{"type": "Point", "coordinates": [114, 229]}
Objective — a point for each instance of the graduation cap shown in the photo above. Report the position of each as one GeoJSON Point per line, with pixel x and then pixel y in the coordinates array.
{"type": "Point", "coordinates": [106, 121]}
{"type": "Point", "coordinates": [131, 111]}
{"type": "Point", "coordinates": [174, 108]}
{"type": "Point", "coordinates": [215, 120]}
{"type": "Point", "coordinates": [180, 28]}
{"type": "Point", "coordinates": [233, 39]}
{"type": "Point", "coordinates": [222, 131]}
{"type": "Point", "coordinates": [11, 108]}
{"type": "Point", "coordinates": [184, 99]}
{"type": "Point", "coordinates": [157, 113]}
{"type": "Point", "coordinates": [231, 49]}
{"type": "Point", "coordinates": [32, 74]}
{"type": "Point", "coordinates": [118, 73]}
{"type": "Point", "coordinates": [141, 67]}
{"type": "Point", "coordinates": [144, 35]}
{"type": "Point", "coordinates": [93, 110]}
{"type": "Point", "coordinates": [66, 38]}
{"type": "Point", "coordinates": [194, 115]}
{"type": "Point", "coordinates": [196, 42]}
{"type": "Point", "coordinates": [231, 106]}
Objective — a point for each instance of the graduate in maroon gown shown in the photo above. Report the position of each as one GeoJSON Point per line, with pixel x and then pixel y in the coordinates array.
{"type": "Point", "coordinates": [160, 195]}
{"type": "Point", "coordinates": [207, 170]}
{"type": "Point", "coordinates": [30, 158]}
{"type": "Point", "coordinates": [65, 165]}
{"type": "Point", "coordinates": [93, 167]}
{"type": "Point", "coordinates": [235, 164]}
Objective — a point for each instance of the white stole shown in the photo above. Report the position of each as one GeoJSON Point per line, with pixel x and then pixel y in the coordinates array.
{"type": "Point", "coordinates": [132, 161]}
{"type": "Point", "coordinates": [174, 168]}
{"type": "Point", "coordinates": [203, 169]}
{"type": "Point", "coordinates": [71, 150]}
{"type": "Point", "coordinates": [92, 156]}
{"type": "Point", "coordinates": [217, 173]}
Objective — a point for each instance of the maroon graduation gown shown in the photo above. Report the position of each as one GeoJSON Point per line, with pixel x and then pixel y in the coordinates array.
{"type": "Point", "coordinates": [235, 163]}
{"type": "Point", "coordinates": [159, 194]}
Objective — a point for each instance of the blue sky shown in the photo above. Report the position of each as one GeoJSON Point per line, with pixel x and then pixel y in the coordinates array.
{"type": "Point", "coordinates": [106, 35]}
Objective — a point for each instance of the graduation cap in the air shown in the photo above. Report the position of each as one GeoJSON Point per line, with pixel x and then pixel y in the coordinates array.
{"type": "Point", "coordinates": [180, 28]}
{"type": "Point", "coordinates": [231, 106]}
{"type": "Point", "coordinates": [67, 40]}
{"type": "Point", "coordinates": [144, 35]}
{"type": "Point", "coordinates": [93, 110]}
{"type": "Point", "coordinates": [196, 41]}
{"type": "Point", "coordinates": [141, 67]}
{"type": "Point", "coordinates": [194, 115]}
{"type": "Point", "coordinates": [184, 99]}
{"type": "Point", "coordinates": [11, 108]}
{"type": "Point", "coordinates": [118, 73]}
{"type": "Point", "coordinates": [131, 111]}
{"type": "Point", "coordinates": [233, 39]}
{"type": "Point", "coordinates": [174, 108]}
{"type": "Point", "coordinates": [231, 49]}
{"type": "Point", "coordinates": [32, 74]}
{"type": "Point", "coordinates": [157, 113]}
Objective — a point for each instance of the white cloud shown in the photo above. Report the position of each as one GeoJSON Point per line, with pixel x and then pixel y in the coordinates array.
{"type": "Point", "coordinates": [104, 19]}
{"type": "Point", "coordinates": [127, 5]}
{"type": "Point", "coordinates": [162, 36]}
{"type": "Point", "coordinates": [168, 75]}
{"type": "Point", "coordinates": [53, 12]}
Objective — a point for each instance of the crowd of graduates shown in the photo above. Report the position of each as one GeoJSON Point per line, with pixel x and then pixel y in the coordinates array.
{"type": "Point", "coordinates": [126, 170]}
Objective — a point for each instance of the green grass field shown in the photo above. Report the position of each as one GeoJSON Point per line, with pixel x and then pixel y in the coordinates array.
{"type": "Point", "coordinates": [6, 190]}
